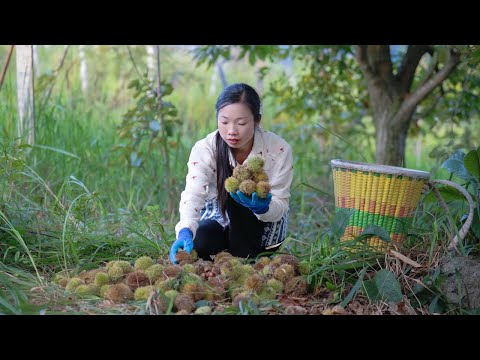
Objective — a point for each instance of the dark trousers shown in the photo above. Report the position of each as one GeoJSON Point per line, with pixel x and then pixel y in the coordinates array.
{"type": "Point", "coordinates": [241, 237]}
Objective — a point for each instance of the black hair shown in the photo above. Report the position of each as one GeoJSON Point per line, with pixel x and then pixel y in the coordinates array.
{"type": "Point", "coordinates": [232, 94]}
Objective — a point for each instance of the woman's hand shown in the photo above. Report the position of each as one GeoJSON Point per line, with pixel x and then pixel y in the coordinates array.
{"type": "Point", "coordinates": [256, 204]}
{"type": "Point", "coordinates": [184, 241]}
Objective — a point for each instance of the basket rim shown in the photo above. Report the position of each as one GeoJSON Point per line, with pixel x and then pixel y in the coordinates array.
{"type": "Point", "coordinates": [383, 169]}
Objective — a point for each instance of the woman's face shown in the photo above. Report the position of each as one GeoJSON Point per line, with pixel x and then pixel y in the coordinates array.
{"type": "Point", "coordinates": [236, 126]}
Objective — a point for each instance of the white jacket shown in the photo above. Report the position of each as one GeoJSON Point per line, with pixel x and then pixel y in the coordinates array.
{"type": "Point", "coordinates": [200, 187]}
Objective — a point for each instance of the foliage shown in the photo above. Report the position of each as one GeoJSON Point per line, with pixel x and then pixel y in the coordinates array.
{"type": "Point", "coordinates": [466, 167]}
{"type": "Point", "coordinates": [143, 122]}
{"type": "Point", "coordinates": [384, 286]}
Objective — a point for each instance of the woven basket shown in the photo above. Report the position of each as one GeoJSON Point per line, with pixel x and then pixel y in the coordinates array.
{"type": "Point", "coordinates": [381, 195]}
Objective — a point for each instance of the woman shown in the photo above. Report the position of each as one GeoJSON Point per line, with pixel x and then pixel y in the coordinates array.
{"type": "Point", "coordinates": [212, 220]}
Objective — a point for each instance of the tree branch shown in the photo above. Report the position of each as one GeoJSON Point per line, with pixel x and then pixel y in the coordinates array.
{"type": "Point", "coordinates": [424, 90]}
{"type": "Point", "coordinates": [410, 62]}
{"type": "Point", "coordinates": [381, 62]}
{"type": "Point", "coordinates": [362, 59]}
{"type": "Point", "coordinates": [5, 65]}
{"type": "Point", "coordinates": [429, 110]}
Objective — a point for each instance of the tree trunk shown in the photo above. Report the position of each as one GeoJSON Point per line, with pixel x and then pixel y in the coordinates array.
{"type": "Point", "coordinates": [36, 63]}
{"type": "Point", "coordinates": [393, 101]}
{"type": "Point", "coordinates": [5, 65]}
{"type": "Point", "coordinates": [221, 73]}
{"type": "Point", "coordinates": [25, 99]}
{"type": "Point", "coordinates": [151, 61]}
{"type": "Point", "coordinates": [391, 138]}
{"type": "Point", "coordinates": [83, 68]}
{"type": "Point", "coordinates": [168, 181]}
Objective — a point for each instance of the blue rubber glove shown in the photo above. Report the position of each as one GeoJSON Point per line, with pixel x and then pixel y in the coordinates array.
{"type": "Point", "coordinates": [256, 204]}
{"type": "Point", "coordinates": [184, 241]}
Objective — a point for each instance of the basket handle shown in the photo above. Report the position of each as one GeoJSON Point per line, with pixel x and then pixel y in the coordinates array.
{"type": "Point", "coordinates": [463, 231]}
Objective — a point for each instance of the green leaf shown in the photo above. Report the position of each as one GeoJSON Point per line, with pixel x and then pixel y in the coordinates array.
{"type": "Point", "coordinates": [17, 164]}
{"type": "Point", "coordinates": [436, 306]}
{"type": "Point", "coordinates": [375, 230]}
{"type": "Point", "coordinates": [340, 221]}
{"type": "Point", "coordinates": [371, 290]}
{"type": "Point", "coordinates": [455, 165]}
{"type": "Point", "coordinates": [388, 286]}
{"type": "Point", "coordinates": [355, 288]}
{"type": "Point", "coordinates": [330, 286]}
{"type": "Point", "coordinates": [384, 286]}
{"type": "Point", "coordinates": [448, 194]}
{"type": "Point", "coordinates": [476, 224]}
{"type": "Point", "coordinates": [472, 163]}
{"type": "Point", "coordinates": [251, 58]}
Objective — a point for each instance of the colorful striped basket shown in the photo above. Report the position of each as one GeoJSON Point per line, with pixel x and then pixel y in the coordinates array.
{"type": "Point", "coordinates": [381, 195]}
